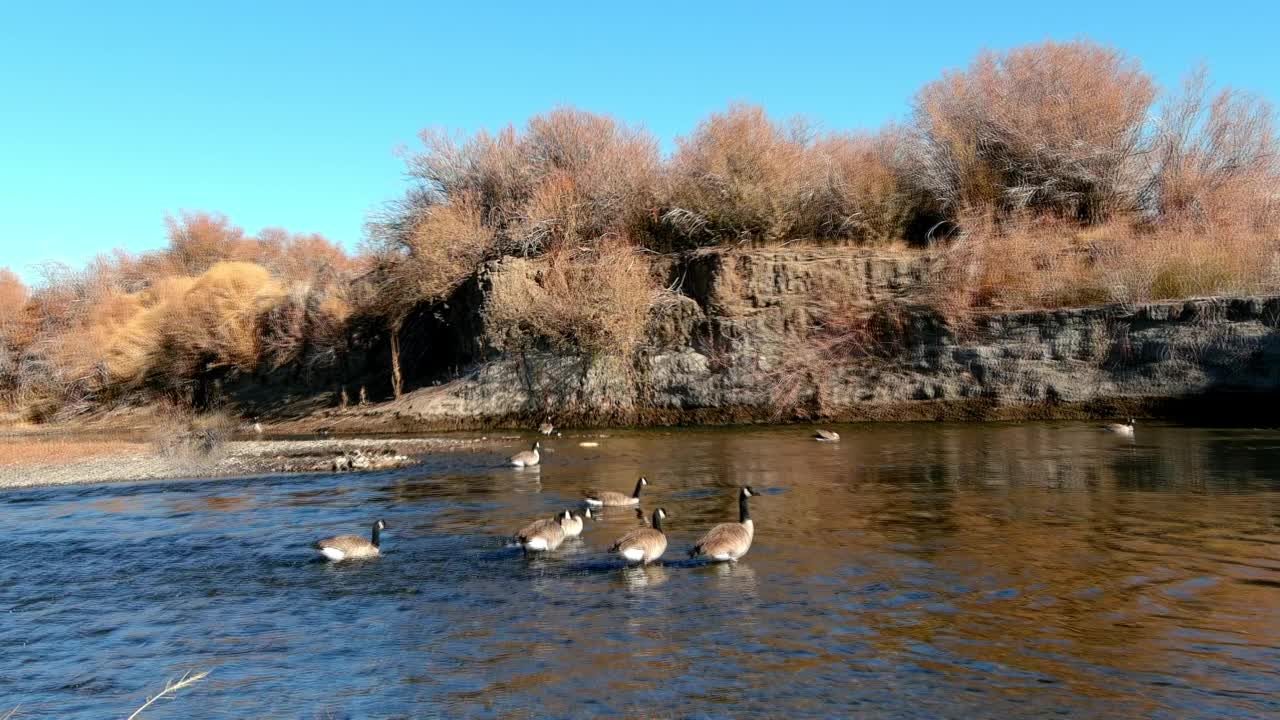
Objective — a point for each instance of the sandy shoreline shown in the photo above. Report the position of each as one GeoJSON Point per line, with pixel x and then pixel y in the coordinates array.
{"type": "Point", "coordinates": [34, 461]}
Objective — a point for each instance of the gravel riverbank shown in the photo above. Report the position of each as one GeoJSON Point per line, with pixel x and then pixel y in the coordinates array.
{"type": "Point", "coordinates": [28, 462]}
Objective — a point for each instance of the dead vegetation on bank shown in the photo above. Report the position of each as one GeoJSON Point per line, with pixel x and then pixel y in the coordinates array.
{"type": "Point", "coordinates": [1051, 175]}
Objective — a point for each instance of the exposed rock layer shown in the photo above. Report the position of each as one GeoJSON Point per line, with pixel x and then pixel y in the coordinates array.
{"type": "Point", "coordinates": [746, 339]}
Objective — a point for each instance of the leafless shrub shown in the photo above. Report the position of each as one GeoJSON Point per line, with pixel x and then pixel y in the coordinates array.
{"type": "Point", "coordinates": [737, 178]}
{"type": "Point", "coordinates": [861, 195]}
{"type": "Point", "coordinates": [743, 178]}
{"type": "Point", "coordinates": [594, 300]}
{"type": "Point", "coordinates": [1052, 127]}
{"type": "Point", "coordinates": [194, 439]}
{"type": "Point", "coordinates": [1215, 160]}
{"type": "Point", "coordinates": [570, 177]}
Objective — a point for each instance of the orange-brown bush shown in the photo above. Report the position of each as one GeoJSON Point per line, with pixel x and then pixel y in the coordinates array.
{"type": "Point", "coordinates": [590, 299]}
{"type": "Point", "coordinates": [576, 187]}
{"type": "Point", "coordinates": [13, 301]}
{"type": "Point", "coordinates": [743, 178]}
{"type": "Point", "coordinates": [1053, 127]}
{"type": "Point", "coordinates": [127, 320]}
{"type": "Point", "coordinates": [570, 177]}
{"type": "Point", "coordinates": [198, 240]}
{"type": "Point", "coordinates": [738, 178]}
{"type": "Point", "coordinates": [1216, 161]}
{"type": "Point", "coordinates": [187, 325]}
{"type": "Point", "coordinates": [429, 258]}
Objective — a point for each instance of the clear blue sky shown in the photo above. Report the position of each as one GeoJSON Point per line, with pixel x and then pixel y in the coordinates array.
{"type": "Point", "coordinates": [288, 114]}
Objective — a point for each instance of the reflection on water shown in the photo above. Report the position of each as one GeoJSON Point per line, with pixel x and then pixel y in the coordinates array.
{"type": "Point", "coordinates": [907, 571]}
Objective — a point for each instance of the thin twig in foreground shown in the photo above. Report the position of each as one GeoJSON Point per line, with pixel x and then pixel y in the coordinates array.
{"type": "Point", "coordinates": [173, 687]}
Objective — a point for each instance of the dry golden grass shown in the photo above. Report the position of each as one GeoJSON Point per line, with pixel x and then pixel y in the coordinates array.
{"type": "Point", "coordinates": [217, 319]}
{"type": "Point", "coordinates": [1037, 262]}
{"type": "Point", "coordinates": [185, 324]}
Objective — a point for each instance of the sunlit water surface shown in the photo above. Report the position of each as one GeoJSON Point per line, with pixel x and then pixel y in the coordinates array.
{"type": "Point", "coordinates": [908, 571]}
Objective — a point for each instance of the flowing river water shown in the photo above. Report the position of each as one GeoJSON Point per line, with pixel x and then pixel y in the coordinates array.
{"type": "Point", "coordinates": [922, 571]}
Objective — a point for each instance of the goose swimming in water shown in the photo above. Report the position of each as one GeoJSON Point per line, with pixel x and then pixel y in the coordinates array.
{"type": "Point", "coordinates": [826, 436]}
{"type": "Point", "coordinates": [528, 458]}
{"type": "Point", "coordinates": [609, 498]}
{"type": "Point", "coordinates": [573, 522]}
{"type": "Point", "coordinates": [543, 535]}
{"type": "Point", "coordinates": [351, 547]}
{"type": "Point", "coordinates": [1120, 428]}
{"type": "Point", "coordinates": [729, 541]}
{"type": "Point", "coordinates": [643, 545]}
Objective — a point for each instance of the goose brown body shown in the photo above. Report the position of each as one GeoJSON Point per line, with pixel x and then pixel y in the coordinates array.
{"type": "Point", "coordinates": [729, 541]}
{"type": "Point", "coordinates": [572, 523]}
{"type": "Point", "coordinates": [1120, 428]}
{"type": "Point", "coordinates": [610, 498]}
{"type": "Point", "coordinates": [643, 545]}
{"type": "Point", "coordinates": [541, 535]}
{"type": "Point", "coordinates": [528, 458]}
{"type": "Point", "coordinates": [351, 547]}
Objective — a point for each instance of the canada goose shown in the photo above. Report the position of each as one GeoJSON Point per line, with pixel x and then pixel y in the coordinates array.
{"type": "Point", "coordinates": [1120, 428]}
{"type": "Point", "coordinates": [609, 498]}
{"type": "Point", "coordinates": [729, 541]}
{"type": "Point", "coordinates": [826, 436]}
{"type": "Point", "coordinates": [546, 428]}
{"type": "Point", "coordinates": [350, 547]}
{"type": "Point", "coordinates": [573, 522]}
{"type": "Point", "coordinates": [541, 535]}
{"type": "Point", "coordinates": [528, 458]}
{"type": "Point", "coordinates": [643, 545]}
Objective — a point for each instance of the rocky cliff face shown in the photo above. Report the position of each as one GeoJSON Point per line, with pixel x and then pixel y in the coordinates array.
{"type": "Point", "coordinates": [748, 338]}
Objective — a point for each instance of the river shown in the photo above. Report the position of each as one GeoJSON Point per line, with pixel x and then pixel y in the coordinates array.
{"type": "Point", "coordinates": [915, 571]}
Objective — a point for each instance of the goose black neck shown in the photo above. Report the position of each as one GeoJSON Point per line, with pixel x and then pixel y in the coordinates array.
{"type": "Point", "coordinates": [744, 513]}
{"type": "Point", "coordinates": [639, 485]}
{"type": "Point", "coordinates": [377, 536]}
{"type": "Point", "coordinates": [657, 521]}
